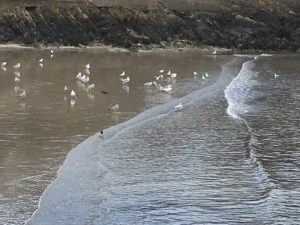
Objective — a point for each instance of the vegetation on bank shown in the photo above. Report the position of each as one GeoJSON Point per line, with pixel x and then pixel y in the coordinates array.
{"type": "Point", "coordinates": [235, 25]}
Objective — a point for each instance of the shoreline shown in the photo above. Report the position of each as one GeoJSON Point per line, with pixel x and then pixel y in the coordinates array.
{"type": "Point", "coordinates": [231, 26]}
{"type": "Point", "coordinates": [206, 50]}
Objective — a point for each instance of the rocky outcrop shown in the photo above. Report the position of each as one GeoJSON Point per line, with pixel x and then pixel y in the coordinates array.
{"type": "Point", "coordinates": [238, 25]}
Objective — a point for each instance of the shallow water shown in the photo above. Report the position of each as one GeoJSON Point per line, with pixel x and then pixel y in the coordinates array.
{"type": "Point", "coordinates": [37, 132]}
{"type": "Point", "coordinates": [231, 156]}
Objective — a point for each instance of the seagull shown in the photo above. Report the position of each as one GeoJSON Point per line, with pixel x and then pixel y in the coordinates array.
{"type": "Point", "coordinates": [91, 87]}
{"type": "Point", "coordinates": [214, 52]}
{"type": "Point", "coordinates": [87, 66]}
{"type": "Point", "coordinates": [115, 107]}
{"type": "Point", "coordinates": [66, 89]}
{"type": "Point", "coordinates": [195, 73]}
{"type": "Point", "coordinates": [206, 74]}
{"type": "Point", "coordinates": [85, 79]}
{"type": "Point", "coordinates": [161, 71]}
{"type": "Point", "coordinates": [125, 80]}
{"type": "Point", "coordinates": [122, 74]}
{"type": "Point", "coordinates": [41, 65]}
{"type": "Point", "coordinates": [159, 77]}
{"type": "Point", "coordinates": [17, 79]}
{"type": "Point", "coordinates": [3, 63]}
{"type": "Point", "coordinates": [169, 73]}
{"type": "Point", "coordinates": [148, 84]}
{"type": "Point", "coordinates": [51, 51]}
{"type": "Point", "coordinates": [73, 94]}
{"type": "Point", "coordinates": [22, 94]}
{"type": "Point", "coordinates": [276, 75]}
{"type": "Point", "coordinates": [41, 60]}
{"type": "Point", "coordinates": [167, 88]}
{"type": "Point", "coordinates": [17, 66]}
{"type": "Point", "coordinates": [178, 107]}
{"type": "Point", "coordinates": [78, 77]}
{"type": "Point", "coordinates": [203, 77]}
{"type": "Point", "coordinates": [255, 57]}
{"type": "Point", "coordinates": [173, 75]}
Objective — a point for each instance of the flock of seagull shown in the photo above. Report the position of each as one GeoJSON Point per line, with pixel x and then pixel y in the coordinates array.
{"type": "Point", "coordinates": [125, 79]}
{"type": "Point", "coordinates": [21, 93]}
{"type": "Point", "coordinates": [84, 79]}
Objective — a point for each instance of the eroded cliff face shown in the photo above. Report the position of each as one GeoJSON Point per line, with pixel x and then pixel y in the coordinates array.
{"type": "Point", "coordinates": [233, 24]}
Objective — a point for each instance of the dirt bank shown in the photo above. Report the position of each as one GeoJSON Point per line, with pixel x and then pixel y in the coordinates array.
{"type": "Point", "coordinates": [235, 24]}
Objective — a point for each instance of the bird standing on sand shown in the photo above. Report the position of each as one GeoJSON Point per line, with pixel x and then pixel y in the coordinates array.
{"type": "Point", "coordinates": [195, 73]}
{"type": "Point", "coordinates": [173, 75]}
{"type": "Point", "coordinates": [41, 60]}
{"type": "Point", "coordinates": [206, 74]}
{"type": "Point", "coordinates": [17, 66]}
{"type": "Point", "coordinates": [3, 63]}
{"type": "Point", "coordinates": [22, 94]}
{"type": "Point", "coordinates": [73, 94]}
{"type": "Point", "coordinates": [122, 74]}
{"type": "Point", "coordinates": [276, 75]}
{"type": "Point", "coordinates": [203, 77]}
{"type": "Point", "coordinates": [178, 107]}
{"type": "Point", "coordinates": [214, 52]}
{"type": "Point", "coordinates": [125, 80]}
{"type": "Point", "coordinates": [91, 87]}
{"type": "Point", "coordinates": [17, 79]}
{"type": "Point", "coordinates": [167, 88]}
{"type": "Point", "coordinates": [115, 107]}
{"type": "Point", "coordinates": [148, 84]}
{"type": "Point", "coordinates": [66, 89]}
{"type": "Point", "coordinates": [159, 77]}
{"type": "Point", "coordinates": [87, 66]}
{"type": "Point", "coordinates": [161, 71]}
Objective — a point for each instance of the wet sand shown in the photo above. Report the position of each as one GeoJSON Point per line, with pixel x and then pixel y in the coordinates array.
{"type": "Point", "coordinates": [38, 131]}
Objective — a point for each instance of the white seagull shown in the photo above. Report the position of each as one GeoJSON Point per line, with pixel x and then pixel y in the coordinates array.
{"type": "Point", "coordinates": [51, 51]}
{"type": "Point", "coordinates": [22, 94]}
{"type": "Point", "coordinates": [173, 75]}
{"type": "Point", "coordinates": [161, 71]}
{"type": "Point", "coordinates": [276, 75]}
{"type": "Point", "coordinates": [17, 79]}
{"type": "Point", "coordinates": [178, 107]}
{"type": "Point", "coordinates": [87, 66]}
{"type": "Point", "coordinates": [78, 76]}
{"type": "Point", "coordinates": [115, 107]}
{"type": "Point", "coordinates": [169, 73]}
{"type": "Point", "coordinates": [17, 66]}
{"type": "Point", "coordinates": [214, 52]}
{"type": "Point", "coordinates": [73, 94]}
{"type": "Point", "coordinates": [66, 89]}
{"type": "Point", "coordinates": [195, 73]}
{"type": "Point", "coordinates": [3, 63]}
{"type": "Point", "coordinates": [91, 87]}
{"type": "Point", "coordinates": [41, 60]}
{"type": "Point", "coordinates": [122, 74]}
{"type": "Point", "coordinates": [125, 80]}
{"type": "Point", "coordinates": [159, 77]}
{"type": "Point", "coordinates": [148, 84]}
{"type": "Point", "coordinates": [167, 88]}
{"type": "Point", "coordinates": [206, 74]}
{"type": "Point", "coordinates": [203, 77]}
